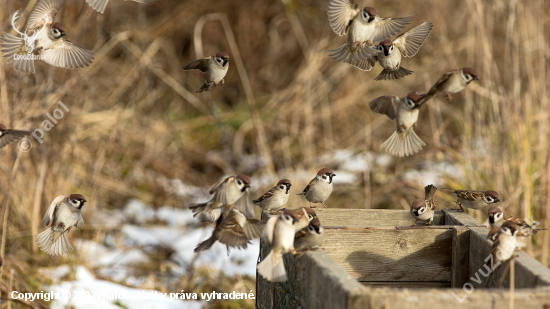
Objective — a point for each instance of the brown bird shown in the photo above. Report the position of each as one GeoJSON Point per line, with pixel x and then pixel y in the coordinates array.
{"type": "Point", "coordinates": [215, 68]}
{"type": "Point", "coordinates": [47, 42]}
{"type": "Point", "coordinates": [63, 213]}
{"type": "Point", "coordinates": [451, 82]}
{"type": "Point", "coordinates": [424, 209]}
{"type": "Point", "coordinates": [234, 230]}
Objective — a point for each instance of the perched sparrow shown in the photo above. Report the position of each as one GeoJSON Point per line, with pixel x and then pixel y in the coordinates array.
{"type": "Point", "coordinates": [406, 44]}
{"type": "Point", "coordinates": [276, 197]}
{"type": "Point", "coordinates": [99, 5]}
{"type": "Point", "coordinates": [234, 230]}
{"type": "Point", "coordinates": [309, 236]}
{"type": "Point", "coordinates": [214, 67]}
{"type": "Point", "coordinates": [452, 82]}
{"type": "Point", "coordinates": [364, 27]}
{"type": "Point", "coordinates": [505, 242]}
{"type": "Point", "coordinates": [279, 232]}
{"type": "Point", "coordinates": [319, 188]}
{"type": "Point", "coordinates": [47, 42]}
{"type": "Point", "coordinates": [232, 190]}
{"type": "Point", "coordinates": [62, 215]}
{"type": "Point", "coordinates": [474, 199]}
{"type": "Point", "coordinates": [424, 209]}
{"type": "Point", "coordinates": [404, 141]}
{"type": "Point", "coordinates": [8, 135]}
{"type": "Point", "coordinates": [305, 215]}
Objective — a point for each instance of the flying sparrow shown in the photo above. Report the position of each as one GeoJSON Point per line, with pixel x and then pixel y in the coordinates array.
{"type": "Point", "coordinates": [304, 216]}
{"type": "Point", "coordinates": [309, 236]}
{"type": "Point", "coordinates": [319, 188]}
{"type": "Point", "coordinates": [424, 209]}
{"type": "Point", "coordinates": [364, 27]}
{"type": "Point", "coordinates": [231, 190]}
{"type": "Point", "coordinates": [63, 213]}
{"type": "Point", "coordinates": [474, 199]}
{"type": "Point", "coordinates": [406, 44]}
{"type": "Point", "coordinates": [214, 67]}
{"type": "Point", "coordinates": [46, 43]}
{"type": "Point", "coordinates": [279, 232]}
{"type": "Point", "coordinates": [99, 5]}
{"type": "Point", "coordinates": [451, 82]}
{"type": "Point", "coordinates": [276, 197]}
{"type": "Point", "coordinates": [234, 230]}
{"type": "Point", "coordinates": [8, 135]}
{"type": "Point", "coordinates": [404, 141]}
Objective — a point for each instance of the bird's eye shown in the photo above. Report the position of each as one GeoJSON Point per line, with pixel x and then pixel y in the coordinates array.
{"type": "Point", "coordinates": [282, 187]}
{"type": "Point", "coordinates": [365, 15]}
{"type": "Point", "coordinates": [324, 177]}
{"type": "Point", "coordinates": [489, 199]}
{"type": "Point", "coordinates": [409, 102]}
{"type": "Point", "coordinates": [310, 228]}
{"type": "Point", "coordinates": [380, 47]}
{"type": "Point", "coordinates": [287, 217]}
{"type": "Point", "coordinates": [310, 217]}
{"type": "Point", "coordinates": [239, 182]}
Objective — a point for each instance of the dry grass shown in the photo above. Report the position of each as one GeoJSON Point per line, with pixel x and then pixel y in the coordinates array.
{"type": "Point", "coordinates": [134, 120]}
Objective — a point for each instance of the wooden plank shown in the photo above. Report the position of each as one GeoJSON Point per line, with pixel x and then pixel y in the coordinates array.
{"type": "Point", "coordinates": [407, 284]}
{"type": "Point", "coordinates": [444, 299]}
{"type": "Point", "coordinates": [370, 217]}
{"type": "Point", "coordinates": [392, 255]}
{"type": "Point", "coordinates": [460, 256]}
{"type": "Point", "coordinates": [316, 281]}
{"type": "Point", "coordinates": [453, 217]}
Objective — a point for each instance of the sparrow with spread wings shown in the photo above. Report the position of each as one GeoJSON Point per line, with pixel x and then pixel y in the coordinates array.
{"type": "Point", "coordinates": [48, 42]}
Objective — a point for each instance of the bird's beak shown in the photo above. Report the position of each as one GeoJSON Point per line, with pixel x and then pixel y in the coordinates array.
{"type": "Point", "coordinates": [333, 174]}
{"type": "Point", "coordinates": [477, 77]}
{"type": "Point", "coordinates": [63, 34]}
{"type": "Point", "coordinates": [85, 201]}
{"type": "Point", "coordinates": [498, 200]}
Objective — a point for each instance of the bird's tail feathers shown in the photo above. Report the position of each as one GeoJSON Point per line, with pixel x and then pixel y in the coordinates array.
{"type": "Point", "coordinates": [272, 268]}
{"type": "Point", "coordinates": [403, 144]}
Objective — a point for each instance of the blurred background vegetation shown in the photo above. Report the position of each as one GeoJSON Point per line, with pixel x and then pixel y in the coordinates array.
{"type": "Point", "coordinates": [135, 123]}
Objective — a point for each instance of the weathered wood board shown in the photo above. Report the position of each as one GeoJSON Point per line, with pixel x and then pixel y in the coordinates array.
{"type": "Point", "coordinates": [391, 254]}
{"type": "Point", "coordinates": [371, 260]}
{"type": "Point", "coordinates": [370, 217]}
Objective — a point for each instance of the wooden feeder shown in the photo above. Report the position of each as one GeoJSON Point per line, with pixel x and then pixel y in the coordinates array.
{"type": "Point", "coordinates": [376, 259]}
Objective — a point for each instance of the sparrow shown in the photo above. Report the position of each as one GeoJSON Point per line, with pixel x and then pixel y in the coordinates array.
{"type": "Point", "coordinates": [424, 209]}
{"type": "Point", "coordinates": [451, 82]}
{"type": "Point", "coordinates": [304, 217]}
{"type": "Point", "coordinates": [234, 230]}
{"type": "Point", "coordinates": [319, 188]}
{"type": "Point", "coordinates": [63, 213]}
{"type": "Point", "coordinates": [404, 141]}
{"type": "Point", "coordinates": [8, 135]}
{"type": "Point", "coordinates": [215, 68]}
{"type": "Point", "coordinates": [47, 42]}
{"type": "Point", "coordinates": [474, 199]}
{"type": "Point", "coordinates": [99, 5]}
{"type": "Point", "coordinates": [406, 44]}
{"type": "Point", "coordinates": [231, 190]}
{"type": "Point", "coordinates": [279, 232]}
{"type": "Point", "coordinates": [276, 197]}
{"type": "Point", "coordinates": [363, 27]}
{"type": "Point", "coordinates": [309, 236]}
{"type": "Point", "coordinates": [505, 243]}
